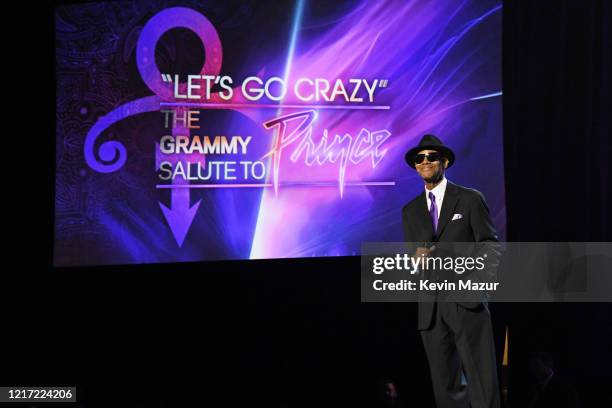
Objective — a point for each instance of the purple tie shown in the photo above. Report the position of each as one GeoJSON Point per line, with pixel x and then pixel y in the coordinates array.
{"type": "Point", "coordinates": [433, 212]}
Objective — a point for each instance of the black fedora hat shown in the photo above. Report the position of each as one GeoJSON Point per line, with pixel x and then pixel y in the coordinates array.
{"type": "Point", "coordinates": [430, 142]}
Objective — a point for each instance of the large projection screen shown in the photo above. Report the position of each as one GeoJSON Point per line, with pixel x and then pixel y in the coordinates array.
{"type": "Point", "coordinates": [214, 130]}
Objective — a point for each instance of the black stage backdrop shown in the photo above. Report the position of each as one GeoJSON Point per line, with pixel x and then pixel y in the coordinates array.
{"type": "Point", "coordinates": [557, 152]}
{"type": "Point", "coordinates": [294, 333]}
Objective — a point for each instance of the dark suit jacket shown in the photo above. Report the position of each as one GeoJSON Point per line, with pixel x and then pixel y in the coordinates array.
{"type": "Point", "coordinates": [474, 226]}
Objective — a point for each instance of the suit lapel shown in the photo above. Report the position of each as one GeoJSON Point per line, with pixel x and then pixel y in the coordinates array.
{"type": "Point", "coordinates": [424, 214]}
{"type": "Point", "coordinates": [451, 197]}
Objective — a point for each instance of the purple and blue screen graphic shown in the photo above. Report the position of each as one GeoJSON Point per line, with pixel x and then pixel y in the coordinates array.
{"type": "Point", "coordinates": [205, 130]}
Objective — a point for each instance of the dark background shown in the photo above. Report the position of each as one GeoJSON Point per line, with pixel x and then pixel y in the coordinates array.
{"type": "Point", "coordinates": [293, 332]}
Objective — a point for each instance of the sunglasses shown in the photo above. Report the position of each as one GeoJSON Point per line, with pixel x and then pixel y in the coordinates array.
{"type": "Point", "coordinates": [431, 157]}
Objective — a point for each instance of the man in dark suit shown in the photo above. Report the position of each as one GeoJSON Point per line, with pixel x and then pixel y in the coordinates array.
{"type": "Point", "coordinates": [457, 336]}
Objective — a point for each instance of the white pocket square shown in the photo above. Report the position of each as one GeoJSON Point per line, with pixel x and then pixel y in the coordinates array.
{"type": "Point", "coordinates": [457, 217]}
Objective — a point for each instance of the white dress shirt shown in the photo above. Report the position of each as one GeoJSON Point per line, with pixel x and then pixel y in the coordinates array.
{"type": "Point", "coordinates": [438, 191]}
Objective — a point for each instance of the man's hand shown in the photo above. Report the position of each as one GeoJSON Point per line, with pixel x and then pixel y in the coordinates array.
{"type": "Point", "coordinates": [422, 251]}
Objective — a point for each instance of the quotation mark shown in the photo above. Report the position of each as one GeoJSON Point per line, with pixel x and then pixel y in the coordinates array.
{"type": "Point", "coordinates": [383, 83]}
{"type": "Point", "coordinates": [166, 77]}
